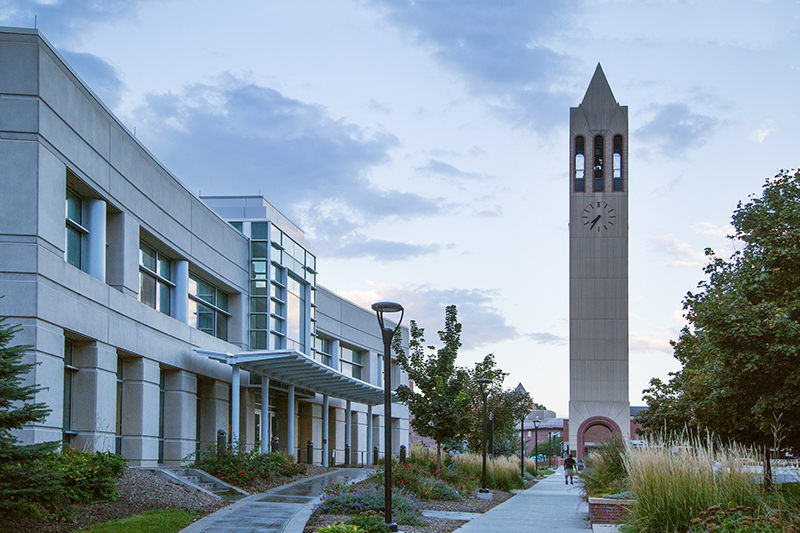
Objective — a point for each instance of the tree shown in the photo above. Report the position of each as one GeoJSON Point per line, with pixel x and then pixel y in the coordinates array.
{"type": "Point", "coordinates": [740, 354]}
{"type": "Point", "coordinates": [24, 480]}
{"type": "Point", "coordinates": [438, 403]}
{"type": "Point", "coordinates": [507, 407]}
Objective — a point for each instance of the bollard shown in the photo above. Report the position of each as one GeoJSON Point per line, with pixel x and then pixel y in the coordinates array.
{"type": "Point", "coordinates": [375, 455]}
{"type": "Point", "coordinates": [403, 454]}
{"type": "Point", "coordinates": [222, 442]}
{"type": "Point", "coordinates": [333, 457]}
{"type": "Point", "coordinates": [275, 444]}
{"type": "Point", "coordinates": [346, 455]}
{"type": "Point", "coordinates": [310, 452]}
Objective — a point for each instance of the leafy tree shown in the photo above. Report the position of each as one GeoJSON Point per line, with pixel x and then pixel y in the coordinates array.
{"type": "Point", "coordinates": [507, 407]}
{"type": "Point", "coordinates": [24, 479]}
{"type": "Point", "coordinates": [439, 404]}
{"type": "Point", "coordinates": [740, 355]}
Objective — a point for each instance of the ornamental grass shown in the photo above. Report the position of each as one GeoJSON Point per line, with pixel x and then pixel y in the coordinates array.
{"type": "Point", "coordinates": [676, 482]}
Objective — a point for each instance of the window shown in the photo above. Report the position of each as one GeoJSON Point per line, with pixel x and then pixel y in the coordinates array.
{"type": "Point", "coordinates": [295, 315]}
{"type": "Point", "coordinates": [617, 164]}
{"type": "Point", "coordinates": [162, 393]}
{"type": "Point", "coordinates": [118, 425]}
{"type": "Point", "coordinates": [324, 347]}
{"type": "Point", "coordinates": [350, 360]}
{"type": "Point", "coordinates": [70, 370]}
{"type": "Point", "coordinates": [155, 279]}
{"type": "Point", "coordinates": [208, 308]}
{"type": "Point", "coordinates": [599, 150]}
{"type": "Point", "coordinates": [76, 232]}
{"type": "Point", "coordinates": [580, 164]}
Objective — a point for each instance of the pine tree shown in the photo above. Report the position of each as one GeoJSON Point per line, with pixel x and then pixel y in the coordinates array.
{"type": "Point", "coordinates": [24, 479]}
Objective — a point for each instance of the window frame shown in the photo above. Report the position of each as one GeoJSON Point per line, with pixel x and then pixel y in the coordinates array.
{"type": "Point", "coordinates": [598, 163]}
{"type": "Point", "coordinates": [158, 278]}
{"type": "Point", "coordinates": [618, 181]}
{"type": "Point", "coordinates": [76, 226]}
{"type": "Point", "coordinates": [217, 310]}
{"type": "Point", "coordinates": [579, 175]}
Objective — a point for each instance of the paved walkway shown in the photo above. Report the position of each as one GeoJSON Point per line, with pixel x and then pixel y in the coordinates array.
{"type": "Point", "coordinates": [284, 509]}
{"type": "Point", "coordinates": [547, 506]}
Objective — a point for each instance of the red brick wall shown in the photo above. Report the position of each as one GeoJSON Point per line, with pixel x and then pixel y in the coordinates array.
{"type": "Point", "coordinates": [608, 511]}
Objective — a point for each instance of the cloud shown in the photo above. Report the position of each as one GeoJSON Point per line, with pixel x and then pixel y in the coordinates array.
{"type": "Point", "coordinates": [381, 250]}
{"type": "Point", "coordinates": [98, 75]}
{"type": "Point", "coordinates": [640, 343]}
{"type": "Point", "coordinates": [434, 166]}
{"type": "Point", "coordinates": [483, 324]}
{"type": "Point", "coordinates": [547, 338]}
{"type": "Point", "coordinates": [499, 50]}
{"type": "Point", "coordinates": [711, 230]}
{"type": "Point", "coordinates": [496, 211]}
{"type": "Point", "coordinates": [675, 129]}
{"type": "Point", "coordinates": [65, 19]}
{"type": "Point", "coordinates": [761, 133]}
{"type": "Point", "coordinates": [232, 136]}
{"type": "Point", "coordinates": [680, 254]}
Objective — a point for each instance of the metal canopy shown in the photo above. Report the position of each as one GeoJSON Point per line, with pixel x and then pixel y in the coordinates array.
{"type": "Point", "coordinates": [297, 369]}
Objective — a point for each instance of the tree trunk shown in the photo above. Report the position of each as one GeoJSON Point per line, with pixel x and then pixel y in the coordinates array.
{"type": "Point", "coordinates": [438, 457]}
{"type": "Point", "coordinates": [767, 469]}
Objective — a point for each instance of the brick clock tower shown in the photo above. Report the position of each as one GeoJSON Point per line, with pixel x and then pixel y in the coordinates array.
{"type": "Point", "coordinates": [598, 268]}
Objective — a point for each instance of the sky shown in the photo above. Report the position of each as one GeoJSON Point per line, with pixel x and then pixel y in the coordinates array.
{"type": "Point", "coordinates": [423, 145]}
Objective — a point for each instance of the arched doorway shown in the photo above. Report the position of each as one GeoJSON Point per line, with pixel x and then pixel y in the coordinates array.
{"type": "Point", "coordinates": [594, 430]}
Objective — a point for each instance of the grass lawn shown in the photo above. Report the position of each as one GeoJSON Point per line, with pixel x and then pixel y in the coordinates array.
{"type": "Point", "coordinates": [162, 521]}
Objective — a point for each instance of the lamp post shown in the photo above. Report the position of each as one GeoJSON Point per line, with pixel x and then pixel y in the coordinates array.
{"type": "Point", "coordinates": [536, 423]}
{"type": "Point", "coordinates": [387, 334]}
{"type": "Point", "coordinates": [522, 448]}
{"type": "Point", "coordinates": [484, 395]}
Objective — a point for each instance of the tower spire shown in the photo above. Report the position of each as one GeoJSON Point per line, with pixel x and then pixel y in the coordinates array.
{"type": "Point", "coordinates": [598, 103]}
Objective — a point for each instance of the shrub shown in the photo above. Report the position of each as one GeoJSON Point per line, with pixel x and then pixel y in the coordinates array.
{"type": "Point", "coordinates": [341, 527]}
{"type": "Point", "coordinates": [244, 468]}
{"type": "Point", "coordinates": [736, 519]}
{"type": "Point", "coordinates": [605, 470]}
{"type": "Point", "coordinates": [369, 524]}
{"type": "Point", "coordinates": [87, 477]}
{"type": "Point", "coordinates": [415, 479]}
{"type": "Point", "coordinates": [338, 499]}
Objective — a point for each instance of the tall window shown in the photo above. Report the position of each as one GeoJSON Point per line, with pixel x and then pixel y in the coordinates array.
{"type": "Point", "coordinates": [70, 370]}
{"type": "Point", "coordinates": [617, 162]}
{"type": "Point", "coordinates": [324, 348]}
{"type": "Point", "coordinates": [162, 393]}
{"type": "Point", "coordinates": [76, 232]}
{"type": "Point", "coordinates": [208, 308]}
{"type": "Point", "coordinates": [155, 279]}
{"type": "Point", "coordinates": [295, 315]}
{"type": "Point", "coordinates": [599, 150]}
{"type": "Point", "coordinates": [351, 363]}
{"type": "Point", "coordinates": [580, 164]}
{"type": "Point", "coordinates": [118, 425]}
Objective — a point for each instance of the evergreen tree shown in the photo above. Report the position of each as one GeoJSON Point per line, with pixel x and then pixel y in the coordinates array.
{"type": "Point", "coordinates": [24, 480]}
{"type": "Point", "coordinates": [439, 403]}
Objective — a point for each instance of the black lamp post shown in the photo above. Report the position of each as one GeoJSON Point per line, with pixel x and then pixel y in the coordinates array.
{"type": "Point", "coordinates": [387, 333]}
{"type": "Point", "coordinates": [536, 423]}
{"type": "Point", "coordinates": [484, 395]}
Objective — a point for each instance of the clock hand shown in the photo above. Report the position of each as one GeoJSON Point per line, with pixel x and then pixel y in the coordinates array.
{"type": "Point", "coordinates": [594, 221]}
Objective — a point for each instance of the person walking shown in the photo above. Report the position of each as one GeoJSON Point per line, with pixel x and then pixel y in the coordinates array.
{"type": "Point", "coordinates": [569, 470]}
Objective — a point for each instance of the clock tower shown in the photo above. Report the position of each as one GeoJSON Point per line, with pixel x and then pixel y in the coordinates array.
{"type": "Point", "coordinates": [598, 268]}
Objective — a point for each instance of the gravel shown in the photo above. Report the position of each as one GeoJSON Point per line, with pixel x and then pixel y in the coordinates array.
{"type": "Point", "coordinates": [432, 525]}
{"type": "Point", "coordinates": [139, 491]}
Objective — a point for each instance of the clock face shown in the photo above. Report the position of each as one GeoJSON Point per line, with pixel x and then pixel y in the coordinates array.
{"type": "Point", "coordinates": [598, 217]}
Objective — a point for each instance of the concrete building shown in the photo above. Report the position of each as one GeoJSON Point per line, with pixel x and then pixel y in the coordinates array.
{"type": "Point", "coordinates": [157, 318]}
{"type": "Point", "coordinates": [598, 267]}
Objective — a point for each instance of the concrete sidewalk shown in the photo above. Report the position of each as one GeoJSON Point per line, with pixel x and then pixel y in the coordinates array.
{"type": "Point", "coordinates": [284, 509]}
{"type": "Point", "coordinates": [550, 505]}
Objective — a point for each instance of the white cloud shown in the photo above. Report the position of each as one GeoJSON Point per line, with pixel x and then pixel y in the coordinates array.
{"type": "Point", "coordinates": [710, 229]}
{"type": "Point", "coordinates": [680, 254]}
{"type": "Point", "coordinates": [761, 133]}
{"type": "Point", "coordinates": [641, 343]}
